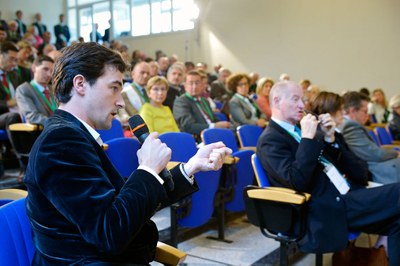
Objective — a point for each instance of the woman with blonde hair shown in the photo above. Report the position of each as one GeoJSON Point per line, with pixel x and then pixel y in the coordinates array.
{"type": "Point", "coordinates": [378, 107]}
{"type": "Point", "coordinates": [157, 116]}
{"type": "Point", "coordinates": [264, 86]}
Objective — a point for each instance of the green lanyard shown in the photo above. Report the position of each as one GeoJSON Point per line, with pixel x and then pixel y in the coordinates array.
{"type": "Point", "coordinates": [142, 94]}
{"type": "Point", "coordinates": [52, 105]}
{"type": "Point", "coordinates": [6, 87]}
{"type": "Point", "coordinates": [203, 106]}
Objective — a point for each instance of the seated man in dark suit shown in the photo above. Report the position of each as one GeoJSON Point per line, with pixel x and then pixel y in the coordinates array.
{"type": "Point", "coordinates": [81, 210]}
{"type": "Point", "coordinates": [313, 161]}
{"type": "Point", "coordinates": [192, 112]}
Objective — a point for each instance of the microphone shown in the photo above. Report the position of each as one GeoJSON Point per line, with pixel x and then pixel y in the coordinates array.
{"type": "Point", "coordinates": [141, 132]}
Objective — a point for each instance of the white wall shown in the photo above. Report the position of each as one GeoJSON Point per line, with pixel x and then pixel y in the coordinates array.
{"type": "Point", "coordinates": [337, 44]}
{"type": "Point", "coordinates": [50, 10]}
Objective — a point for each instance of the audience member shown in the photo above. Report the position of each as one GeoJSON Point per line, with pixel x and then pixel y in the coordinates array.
{"type": "Point", "coordinates": [204, 67]}
{"type": "Point", "coordinates": [36, 40]}
{"type": "Point", "coordinates": [40, 27]}
{"type": "Point", "coordinates": [384, 164]}
{"type": "Point", "coordinates": [394, 118]}
{"type": "Point", "coordinates": [158, 117]}
{"type": "Point", "coordinates": [219, 90]}
{"type": "Point", "coordinates": [95, 36]}
{"type": "Point", "coordinates": [311, 161]}
{"type": "Point", "coordinates": [333, 104]}
{"type": "Point", "coordinates": [106, 36]}
{"type": "Point", "coordinates": [3, 23]}
{"type": "Point", "coordinates": [21, 25]}
{"type": "Point", "coordinates": [81, 210]}
{"type": "Point", "coordinates": [192, 112]}
{"type": "Point", "coordinates": [12, 33]}
{"type": "Point", "coordinates": [3, 34]}
{"type": "Point", "coordinates": [10, 80]}
{"type": "Point", "coordinates": [284, 76]}
{"type": "Point", "coordinates": [189, 66]}
{"type": "Point", "coordinates": [304, 84]}
{"type": "Point", "coordinates": [153, 68]}
{"type": "Point", "coordinates": [163, 64]}
{"type": "Point", "coordinates": [243, 110]}
{"type": "Point", "coordinates": [365, 91]}
{"type": "Point", "coordinates": [46, 41]}
{"type": "Point", "coordinates": [377, 108]}
{"type": "Point", "coordinates": [23, 66]}
{"type": "Point", "coordinates": [175, 77]}
{"type": "Point", "coordinates": [263, 88]}
{"type": "Point", "coordinates": [61, 31]}
{"type": "Point", "coordinates": [253, 82]}
{"type": "Point", "coordinates": [35, 99]}
{"type": "Point", "coordinates": [134, 94]}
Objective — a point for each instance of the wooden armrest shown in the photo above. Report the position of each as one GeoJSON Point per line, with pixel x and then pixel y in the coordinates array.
{"type": "Point", "coordinates": [169, 255]}
{"type": "Point", "coordinates": [251, 148]}
{"type": "Point", "coordinates": [231, 160]}
{"type": "Point", "coordinates": [104, 146]}
{"type": "Point", "coordinates": [390, 146]}
{"type": "Point", "coordinates": [13, 193]}
{"type": "Point", "coordinates": [172, 164]}
{"type": "Point", "coordinates": [279, 194]}
{"type": "Point", "coordinates": [396, 142]}
{"type": "Point", "coordinates": [25, 127]}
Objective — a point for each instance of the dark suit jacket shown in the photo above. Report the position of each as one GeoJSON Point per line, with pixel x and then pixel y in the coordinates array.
{"type": "Point", "coordinates": [61, 29]}
{"type": "Point", "coordinates": [3, 95]}
{"type": "Point", "coordinates": [81, 209]}
{"type": "Point", "coordinates": [41, 29]}
{"type": "Point", "coordinates": [188, 116]}
{"type": "Point", "coordinates": [296, 165]}
{"type": "Point", "coordinates": [172, 94]}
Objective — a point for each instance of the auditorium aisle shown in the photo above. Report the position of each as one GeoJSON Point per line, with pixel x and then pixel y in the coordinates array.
{"type": "Point", "coordinates": [249, 246]}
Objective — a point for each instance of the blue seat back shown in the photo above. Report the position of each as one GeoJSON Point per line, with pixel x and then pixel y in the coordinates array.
{"type": "Point", "coordinates": [261, 176]}
{"type": "Point", "coordinates": [383, 135]}
{"type": "Point", "coordinates": [183, 147]}
{"type": "Point", "coordinates": [115, 131]}
{"type": "Point", "coordinates": [244, 177]}
{"type": "Point", "coordinates": [3, 134]}
{"type": "Point", "coordinates": [220, 134]}
{"type": "Point", "coordinates": [374, 137]}
{"type": "Point", "coordinates": [15, 235]}
{"type": "Point", "coordinates": [249, 135]}
{"type": "Point", "coordinates": [221, 116]}
{"type": "Point", "coordinates": [122, 153]}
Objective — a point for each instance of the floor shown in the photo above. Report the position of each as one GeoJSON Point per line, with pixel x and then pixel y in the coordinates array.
{"type": "Point", "coordinates": [249, 246]}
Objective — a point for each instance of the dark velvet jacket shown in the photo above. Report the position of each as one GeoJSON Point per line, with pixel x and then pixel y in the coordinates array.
{"type": "Point", "coordinates": [296, 165]}
{"type": "Point", "coordinates": [81, 209]}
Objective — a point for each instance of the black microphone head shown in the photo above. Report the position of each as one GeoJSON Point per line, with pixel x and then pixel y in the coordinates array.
{"type": "Point", "coordinates": [138, 126]}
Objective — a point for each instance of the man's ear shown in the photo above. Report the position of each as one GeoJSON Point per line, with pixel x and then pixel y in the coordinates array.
{"type": "Point", "coordinates": [79, 84]}
{"type": "Point", "coordinates": [276, 101]}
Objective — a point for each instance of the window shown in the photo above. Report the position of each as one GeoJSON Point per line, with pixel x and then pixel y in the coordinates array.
{"type": "Point", "coordinates": [131, 17]}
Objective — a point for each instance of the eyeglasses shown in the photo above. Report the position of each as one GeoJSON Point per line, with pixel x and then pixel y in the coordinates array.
{"type": "Point", "coordinates": [193, 83]}
{"type": "Point", "coordinates": [240, 84]}
{"type": "Point", "coordinates": [155, 89]}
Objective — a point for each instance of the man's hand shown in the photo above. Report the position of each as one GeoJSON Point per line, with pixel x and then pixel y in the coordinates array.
{"type": "Point", "coordinates": [153, 153]}
{"type": "Point", "coordinates": [209, 157]}
{"type": "Point", "coordinates": [328, 126]}
{"type": "Point", "coordinates": [309, 125]}
{"type": "Point", "coordinates": [12, 102]}
{"type": "Point", "coordinates": [222, 124]}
